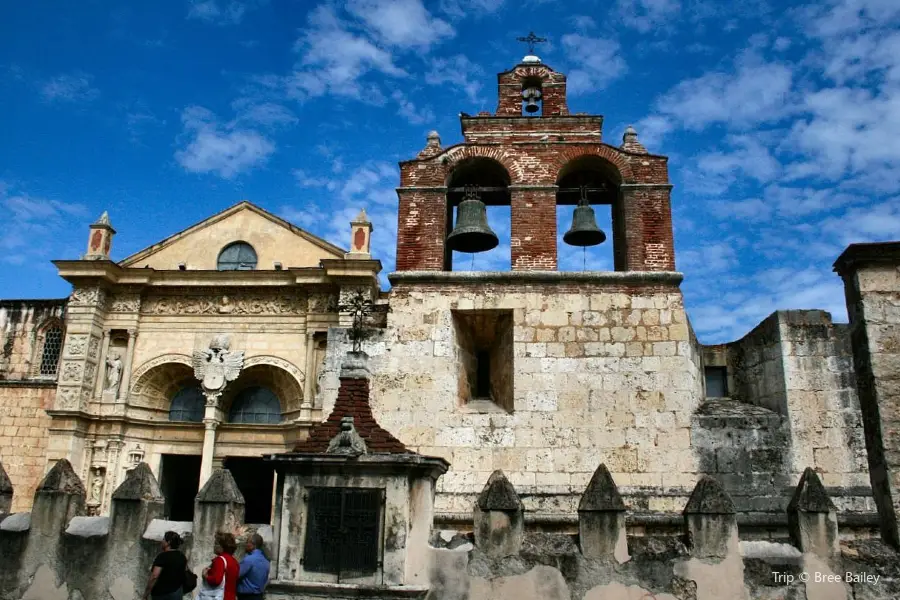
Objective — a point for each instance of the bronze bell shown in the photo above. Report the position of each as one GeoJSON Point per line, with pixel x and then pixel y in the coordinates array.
{"type": "Point", "coordinates": [472, 232]}
{"type": "Point", "coordinates": [584, 230]}
{"type": "Point", "coordinates": [531, 95]}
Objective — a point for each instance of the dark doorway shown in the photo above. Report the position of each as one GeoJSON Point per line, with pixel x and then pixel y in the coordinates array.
{"type": "Point", "coordinates": [256, 480]}
{"type": "Point", "coordinates": [179, 479]}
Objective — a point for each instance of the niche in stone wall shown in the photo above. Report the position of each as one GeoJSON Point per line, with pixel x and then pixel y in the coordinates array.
{"type": "Point", "coordinates": [484, 341]}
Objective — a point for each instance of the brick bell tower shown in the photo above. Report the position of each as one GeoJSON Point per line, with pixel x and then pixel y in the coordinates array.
{"type": "Point", "coordinates": [532, 155]}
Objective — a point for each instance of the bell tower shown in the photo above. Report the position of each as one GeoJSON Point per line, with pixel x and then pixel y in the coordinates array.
{"type": "Point", "coordinates": [533, 155]}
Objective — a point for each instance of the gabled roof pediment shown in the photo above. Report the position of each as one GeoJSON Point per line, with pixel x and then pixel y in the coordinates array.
{"type": "Point", "coordinates": [273, 239]}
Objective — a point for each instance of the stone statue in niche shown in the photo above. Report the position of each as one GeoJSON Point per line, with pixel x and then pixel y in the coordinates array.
{"type": "Point", "coordinates": [97, 487]}
{"type": "Point", "coordinates": [113, 373]}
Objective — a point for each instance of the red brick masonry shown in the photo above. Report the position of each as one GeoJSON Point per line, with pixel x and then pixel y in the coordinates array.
{"type": "Point", "coordinates": [353, 400]}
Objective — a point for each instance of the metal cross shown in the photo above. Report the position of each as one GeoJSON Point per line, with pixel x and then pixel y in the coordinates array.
{"type": "Point", "coordinates": [531, 40]}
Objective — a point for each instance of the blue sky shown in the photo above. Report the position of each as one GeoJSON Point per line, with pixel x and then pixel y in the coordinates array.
{"type": "Point", "coordinates": [782, 124]}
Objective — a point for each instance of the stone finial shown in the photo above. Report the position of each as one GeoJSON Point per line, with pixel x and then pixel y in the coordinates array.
{"type": "Point", "coordinates": [100, 239]}
{"type": "Point", "coordinates": [6, 491]}
{"type": "Point", "coordinates": [62, 478]}
{"type": "Point", "coordinates": [347, 441]}
{"type": "Point", "coordinates": [499, 494]}
{"type": "Point", "coordinates": [601, 519]}
{"type": "Point", "coordinates": [432, 146]}
{"type": "Point", "coordinates": [139, 484]}
{"type": "Point", "coordinates": [601, 494]}
{"type": "Point", "coordinates": [360, 237]}
{"type": "Point", "coordinates": [220, 488]}
{"type": "Point", "coordinates": [710, 521]}
{"type": "Point", "coordinates": [812, 517]}
{"type": "Point", "coordinates": [499, 518]}
{"type": "Point", "coordinates": [708, 498]}
{"type": "Point", "coordinates": [630, 142]}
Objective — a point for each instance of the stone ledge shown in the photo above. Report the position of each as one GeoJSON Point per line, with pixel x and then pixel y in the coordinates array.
{"type": "Point", "coordinates": [276, 589]}
{"type": "Point", "coordinates": [857, 255]}
{"type": "Point", "coordinates": [28, 383]}
{"type": "Point", "coordinates": [600, 278]}
{"type": "Point", "coordinates": [16, 522]}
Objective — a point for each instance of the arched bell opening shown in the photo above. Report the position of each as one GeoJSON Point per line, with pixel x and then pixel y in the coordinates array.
{"type": "Point", "coordinates": [260, 396]}
{"type": "Point", "coordinates": [588, 209]}
{"type": "Point", "coordinates": [478, 216]}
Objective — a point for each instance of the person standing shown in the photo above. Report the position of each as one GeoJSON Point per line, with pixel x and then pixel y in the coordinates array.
{"type": "Point", "coordinates": [254, 573]}
{"type": "Point", "coordinates": [167, 573]}
{"type": "Point", "coordinates": [220, 577]}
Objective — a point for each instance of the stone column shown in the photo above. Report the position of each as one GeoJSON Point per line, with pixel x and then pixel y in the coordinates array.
{"type": "Point", "coordinates": [646, 216]}
{"type": "Point", "coordinates": [129, 360]}
{"type": "Point", "coordinates": [533, 228]}
{"type": "Point", "coordinates": [871, 284]}
{"type": "Point", "coordinates": [211, 422]}
{"type": "Point", "coordinates": [812, 518]}
{"type": "Point", "coordinates": [499, 518]}
{"type": "Point", "coordinates": [709, 519]}
{"type": "Point", "coordinates": [101, 366]}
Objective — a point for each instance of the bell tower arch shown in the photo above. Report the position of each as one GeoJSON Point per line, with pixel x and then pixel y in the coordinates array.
{"type": "Point", "coordinates": [533, 155]}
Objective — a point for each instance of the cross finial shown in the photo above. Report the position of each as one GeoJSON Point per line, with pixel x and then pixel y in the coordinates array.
{"type": "Point", "coordinates": [531, 40]}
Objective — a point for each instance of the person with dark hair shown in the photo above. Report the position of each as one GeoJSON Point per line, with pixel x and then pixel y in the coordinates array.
{"type": "Point", "coordinates": [254, 570]}
{"type": "Point", "coordinates": [167, 574]}
{"type": "Point", "coordinates": [221, 576]}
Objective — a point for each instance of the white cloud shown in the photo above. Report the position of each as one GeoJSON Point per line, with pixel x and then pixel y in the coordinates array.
{"type": "Point", "coordinates": [224, 150]}
{"type": "Point", "coordinates": [333, 59]}
{"type": "Point", "coordinates": [596, 62]}
{"type": "Point", "coordinates": [469, 8]}
{"type": "Point", "coordinates": [459, 72]}
{"type": "Point", "coordinates": [34, 226]}
{"type": "Point", "coordinates": [717, 171]}
{"type": "Point", "coordinates": [647, 15]}
{"type": "Point", "coordinates": [265, 114]}
{"type": "Point", "coordinates": [400, 23]}
{"type": "Point", "coordinates": [219, 12]}
{"type": "Point", "coordinates": [409, 111]}
{"type": "Point", "coordinates": [70, 87]}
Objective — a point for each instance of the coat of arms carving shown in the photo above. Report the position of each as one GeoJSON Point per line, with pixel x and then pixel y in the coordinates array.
{"type": "Point", "coordinates": [217, 365]}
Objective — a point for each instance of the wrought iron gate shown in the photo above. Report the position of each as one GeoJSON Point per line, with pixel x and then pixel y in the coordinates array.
{"type": "Point", "coordinates": [343, 531]}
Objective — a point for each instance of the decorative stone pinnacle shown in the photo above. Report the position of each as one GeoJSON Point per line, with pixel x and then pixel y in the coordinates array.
{"type": "Point", "coordinates": [432, 145]}
{"type": "Point", "coordinates": [104, 219]}
{"type": "Point", "coordinates": [347, 442]}
{"type": "Point", "coordinates": [810, 495]}
{"type": "Point", "coordinates": [630, 141]}
{"type": "Point", "coordinates": [708, 498]}
{"type": "Point", "coordinates": [602, 494]}
{"type": "Point", "coordinates": [499, 494]}
{"type": "Point", "coordinates": [362, 217]}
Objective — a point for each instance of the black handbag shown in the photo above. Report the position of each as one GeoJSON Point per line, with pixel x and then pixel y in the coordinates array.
{"type": "Point", "coordinates": [190, 581]}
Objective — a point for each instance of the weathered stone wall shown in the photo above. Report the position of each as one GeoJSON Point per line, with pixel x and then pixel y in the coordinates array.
{"type": "Point", "coordinates": [600, 373]}
{"type": "Point", "coordinates": [792, 404]}
{"type": "Point", "coordinates": [22, 324]}
{"type": "Point", "coordinates": [24, 431]}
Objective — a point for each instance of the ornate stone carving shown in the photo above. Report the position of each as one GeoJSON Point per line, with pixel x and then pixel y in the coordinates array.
{"type": "Point", "coordinates": [347, 442]}
{"type": "Point", "coordinates": [89, 370]}
{"type": "Point", "coordinates": [236, 303]}
{"type": "Point", "coordinates": [125, 303]}
{"type": "Point", "coordinates": [137, 376]}
{"type": "Point", "coordinates": [68, 398]}
{"type": "Point", "coordinates": [77, 345]}
{"type": "Point", "coordinates": [217, 365]}
{"type": "Point", "coordinates": [276, 362]}
{"type": "Point", "coordinates": [93, 347]}
{"type": "Point", "coordinates": [87, 296]}
{"type": "Point", "coordinates": [72, 371]}
{"type": "Point", "coordinates": [323, 303]}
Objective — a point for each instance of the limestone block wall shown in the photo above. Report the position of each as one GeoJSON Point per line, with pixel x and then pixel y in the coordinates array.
{"type": "Point", "coordinates": [796, 369]}
{"type": "Point", "coordinates": [24, 431]}
{"type": "Point", "coordinates": [602, 371]}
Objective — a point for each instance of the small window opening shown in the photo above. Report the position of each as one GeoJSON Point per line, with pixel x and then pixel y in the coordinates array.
{"type": "Point", "coordinates": [485, 348]}
{"type": "Point", "coordinates": [482, 375]}
{"type": "Point", "coordinates": [716, 382]}
{"type": "Point", "coordinates": [239, 256]}
{"type": "Point", "coordinates": [51, 350]}
{"type": "Point", "coordinates": [532, 98]}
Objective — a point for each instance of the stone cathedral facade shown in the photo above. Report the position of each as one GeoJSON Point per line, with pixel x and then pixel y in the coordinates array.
{"type": "Point", "coordinates": [539, 373]}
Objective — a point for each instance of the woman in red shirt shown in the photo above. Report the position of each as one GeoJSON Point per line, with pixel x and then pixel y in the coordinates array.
{"type": "Point", "coordinates": [227, 569]}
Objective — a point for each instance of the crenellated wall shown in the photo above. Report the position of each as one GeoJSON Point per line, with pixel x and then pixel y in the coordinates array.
{"type": "Point", "coordinates": [56, 553]}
